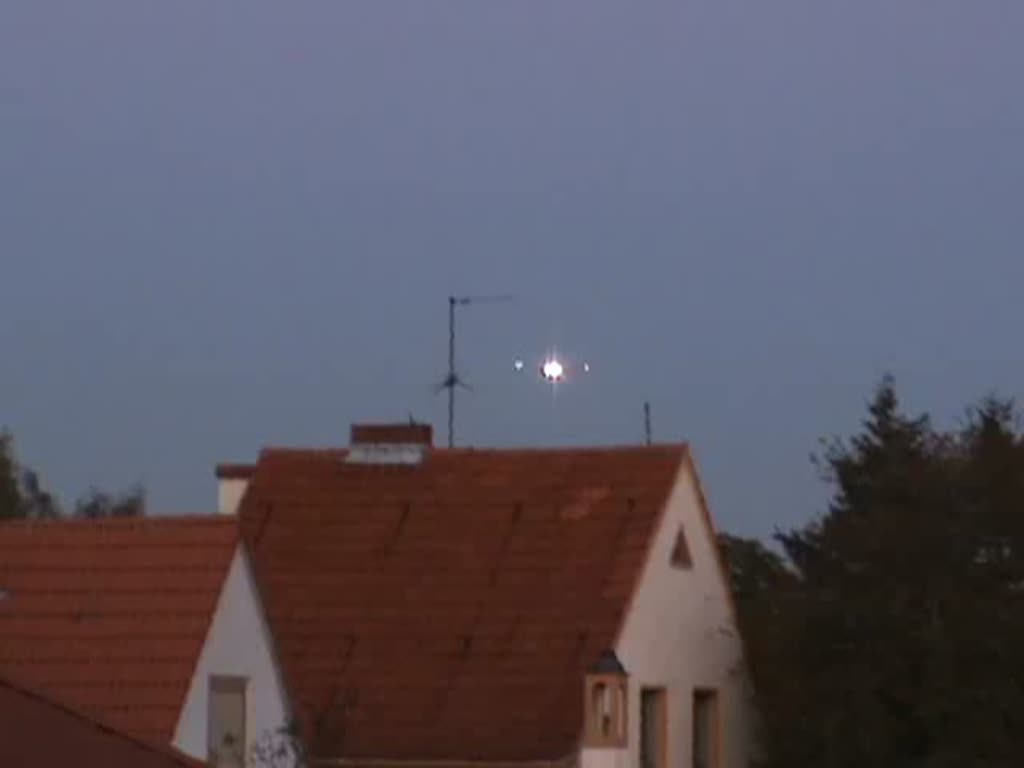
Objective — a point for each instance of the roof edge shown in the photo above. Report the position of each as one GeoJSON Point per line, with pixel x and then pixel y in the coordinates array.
{"type": "Point", "coordinates": [684, 460]}
{"type": "Point", "coordinates": [249, 566]}
{"type": "Point", "coordinates": [95, 722]}
{"type": "Point", "coordinates": [688, 463]}
{"type": "Point", "coordinates": [237, 548]}
{"type": "Point", "coordinates": [723, 566]}
{"type": "Point", "coordinates": [712, 531]}
{"type": "Point", "coordinates": [281, 670]}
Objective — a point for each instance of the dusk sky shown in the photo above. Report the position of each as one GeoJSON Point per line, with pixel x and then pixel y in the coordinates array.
{"type": "Point", "coordinates": [227, 225]}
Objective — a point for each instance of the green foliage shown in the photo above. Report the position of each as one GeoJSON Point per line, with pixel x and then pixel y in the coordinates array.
{"type": "Point", "coordinates": [22, 496]}
{"type": "Point", "coordinates": [891, 632]}
{"type": "Point", "coordinates": [279, 748]}
{"type": "Point", "coordinates": [21, 493]}
{"type": "Point", "coordinates": [10, 488]}
{"type": "Point", "coordinates": [97, 504]}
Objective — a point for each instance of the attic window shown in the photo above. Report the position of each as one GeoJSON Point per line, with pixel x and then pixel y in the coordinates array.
{"type": "Point", "coordinates": [681, 551]}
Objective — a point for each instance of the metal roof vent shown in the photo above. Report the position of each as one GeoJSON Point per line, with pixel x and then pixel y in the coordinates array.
{"type": "Point", "coordinates": [390, 443]}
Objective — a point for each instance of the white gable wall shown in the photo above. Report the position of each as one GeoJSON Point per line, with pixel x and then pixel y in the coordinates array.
{"type": "Point", "coordinates": [237, 644]}
{"type": "Point", "coordinates": [680, 634]}
{"type": "Point", "coordinates": [230, 491]}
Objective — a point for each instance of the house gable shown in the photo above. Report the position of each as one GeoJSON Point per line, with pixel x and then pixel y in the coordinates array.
{"type": "Point", "coordinates": [238, 645]}
{"type": "Point", "coordinates": [35, 731]}
{"type": "Point", "coordinates": [446, 610]}
{"type": "Point", "coordinates": [108, 616]}
{"type": "Point", "coordinates": [681, 635]}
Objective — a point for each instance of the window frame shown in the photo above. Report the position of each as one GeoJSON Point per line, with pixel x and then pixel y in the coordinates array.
{"type": "Point", "coordinates": [226, 684]}
{"type": "Point", "coordinates": [710, 698]}
{"type": "Point", "coordinates": [659, 694]}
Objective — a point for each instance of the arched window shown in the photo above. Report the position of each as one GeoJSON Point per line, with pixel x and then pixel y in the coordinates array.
{"type": "Point", "coordinates": [604, 701]}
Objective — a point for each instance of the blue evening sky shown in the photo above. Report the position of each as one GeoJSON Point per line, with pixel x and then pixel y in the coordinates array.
{"type": "Point", "coordinates": [229, 224]}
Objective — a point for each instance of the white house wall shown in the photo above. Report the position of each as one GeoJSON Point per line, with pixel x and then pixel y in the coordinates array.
{"type": "Point", "coordinates": [602, 757]}
{"type": "Point", "coordinates": [680, 634]}
{"type": "Point", "coordinates": [230, 491]}
{"type": "Point", "coordinates": [237, 644]}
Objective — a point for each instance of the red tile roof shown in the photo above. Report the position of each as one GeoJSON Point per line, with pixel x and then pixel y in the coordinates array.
{"type": "Point", "coordinates": [37, 732]}
{"type": "Point", "coordinates": [108, 616]}
{"type": "Point", "coordinates": [448, 611]}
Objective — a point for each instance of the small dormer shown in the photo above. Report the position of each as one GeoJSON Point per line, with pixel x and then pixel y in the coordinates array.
{"type": "Point", "coordinates": [605, 709]}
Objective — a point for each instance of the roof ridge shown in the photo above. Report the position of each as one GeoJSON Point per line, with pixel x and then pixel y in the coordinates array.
{"type": "Point", "coordinates": [609, 448]}
{"type": "Point", "coordinates": [97, 722]}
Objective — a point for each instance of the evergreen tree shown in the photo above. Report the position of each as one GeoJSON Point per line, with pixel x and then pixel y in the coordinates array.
{"type": "Point", "coordinates": [892, 633]}
{"type": "Point", "coordinates": [98, 504]}
{"type": "Point", "coordinates": [21, 493]}
{"type": "Point", "coordinates": [10, 490]}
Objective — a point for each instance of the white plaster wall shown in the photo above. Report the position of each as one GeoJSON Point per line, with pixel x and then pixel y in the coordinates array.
{"type": "Point", "coordinates": [237, 644]}
{"type": "Point", "coordinates": [604, 757]}
{"type": "Point", "coordinates": [680, 634]}
{"type": "Point", "coordinates": [230, 491]}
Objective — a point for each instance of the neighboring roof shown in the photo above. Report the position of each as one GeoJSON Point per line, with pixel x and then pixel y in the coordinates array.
{"type": "Point", "coordinates": [109, 616]}
{"type": "Point", "coordinates": [449, 610]}
{"type": "Point", "coordinates": [38, 733]}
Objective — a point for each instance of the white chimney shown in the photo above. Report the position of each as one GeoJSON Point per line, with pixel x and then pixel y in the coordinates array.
{"type": "Point", "coordinates": [232, 480]}
{"type": "Point", "coordinates": [390, 443]}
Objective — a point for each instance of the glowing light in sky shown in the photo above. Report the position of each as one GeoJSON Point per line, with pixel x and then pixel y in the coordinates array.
{"type": "Point", "coordinates": [552, 370]}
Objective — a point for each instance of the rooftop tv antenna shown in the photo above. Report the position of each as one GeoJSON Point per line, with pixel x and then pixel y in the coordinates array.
{"type": "Point", "coordinates": [647, 422]}
{"type": "Point", "coordinates": [453, 380]}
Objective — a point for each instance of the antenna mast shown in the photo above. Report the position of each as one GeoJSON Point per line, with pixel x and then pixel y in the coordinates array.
{"type": "Point", "coordinates": [453, 380]}
{"type": "Point", "coordinates": [647, 421]}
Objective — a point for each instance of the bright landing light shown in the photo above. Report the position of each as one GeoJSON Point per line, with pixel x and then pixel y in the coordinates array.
{"type": "Point", "coordinates": [552, 370]}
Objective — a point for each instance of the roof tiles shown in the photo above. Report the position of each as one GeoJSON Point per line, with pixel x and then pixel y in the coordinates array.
{"type": "Point", "coordinates": [38, 732]}
{"type": "Point", "coordinates": [108, 616]}
{"type": "Point", "coordinates": [449, 610]}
